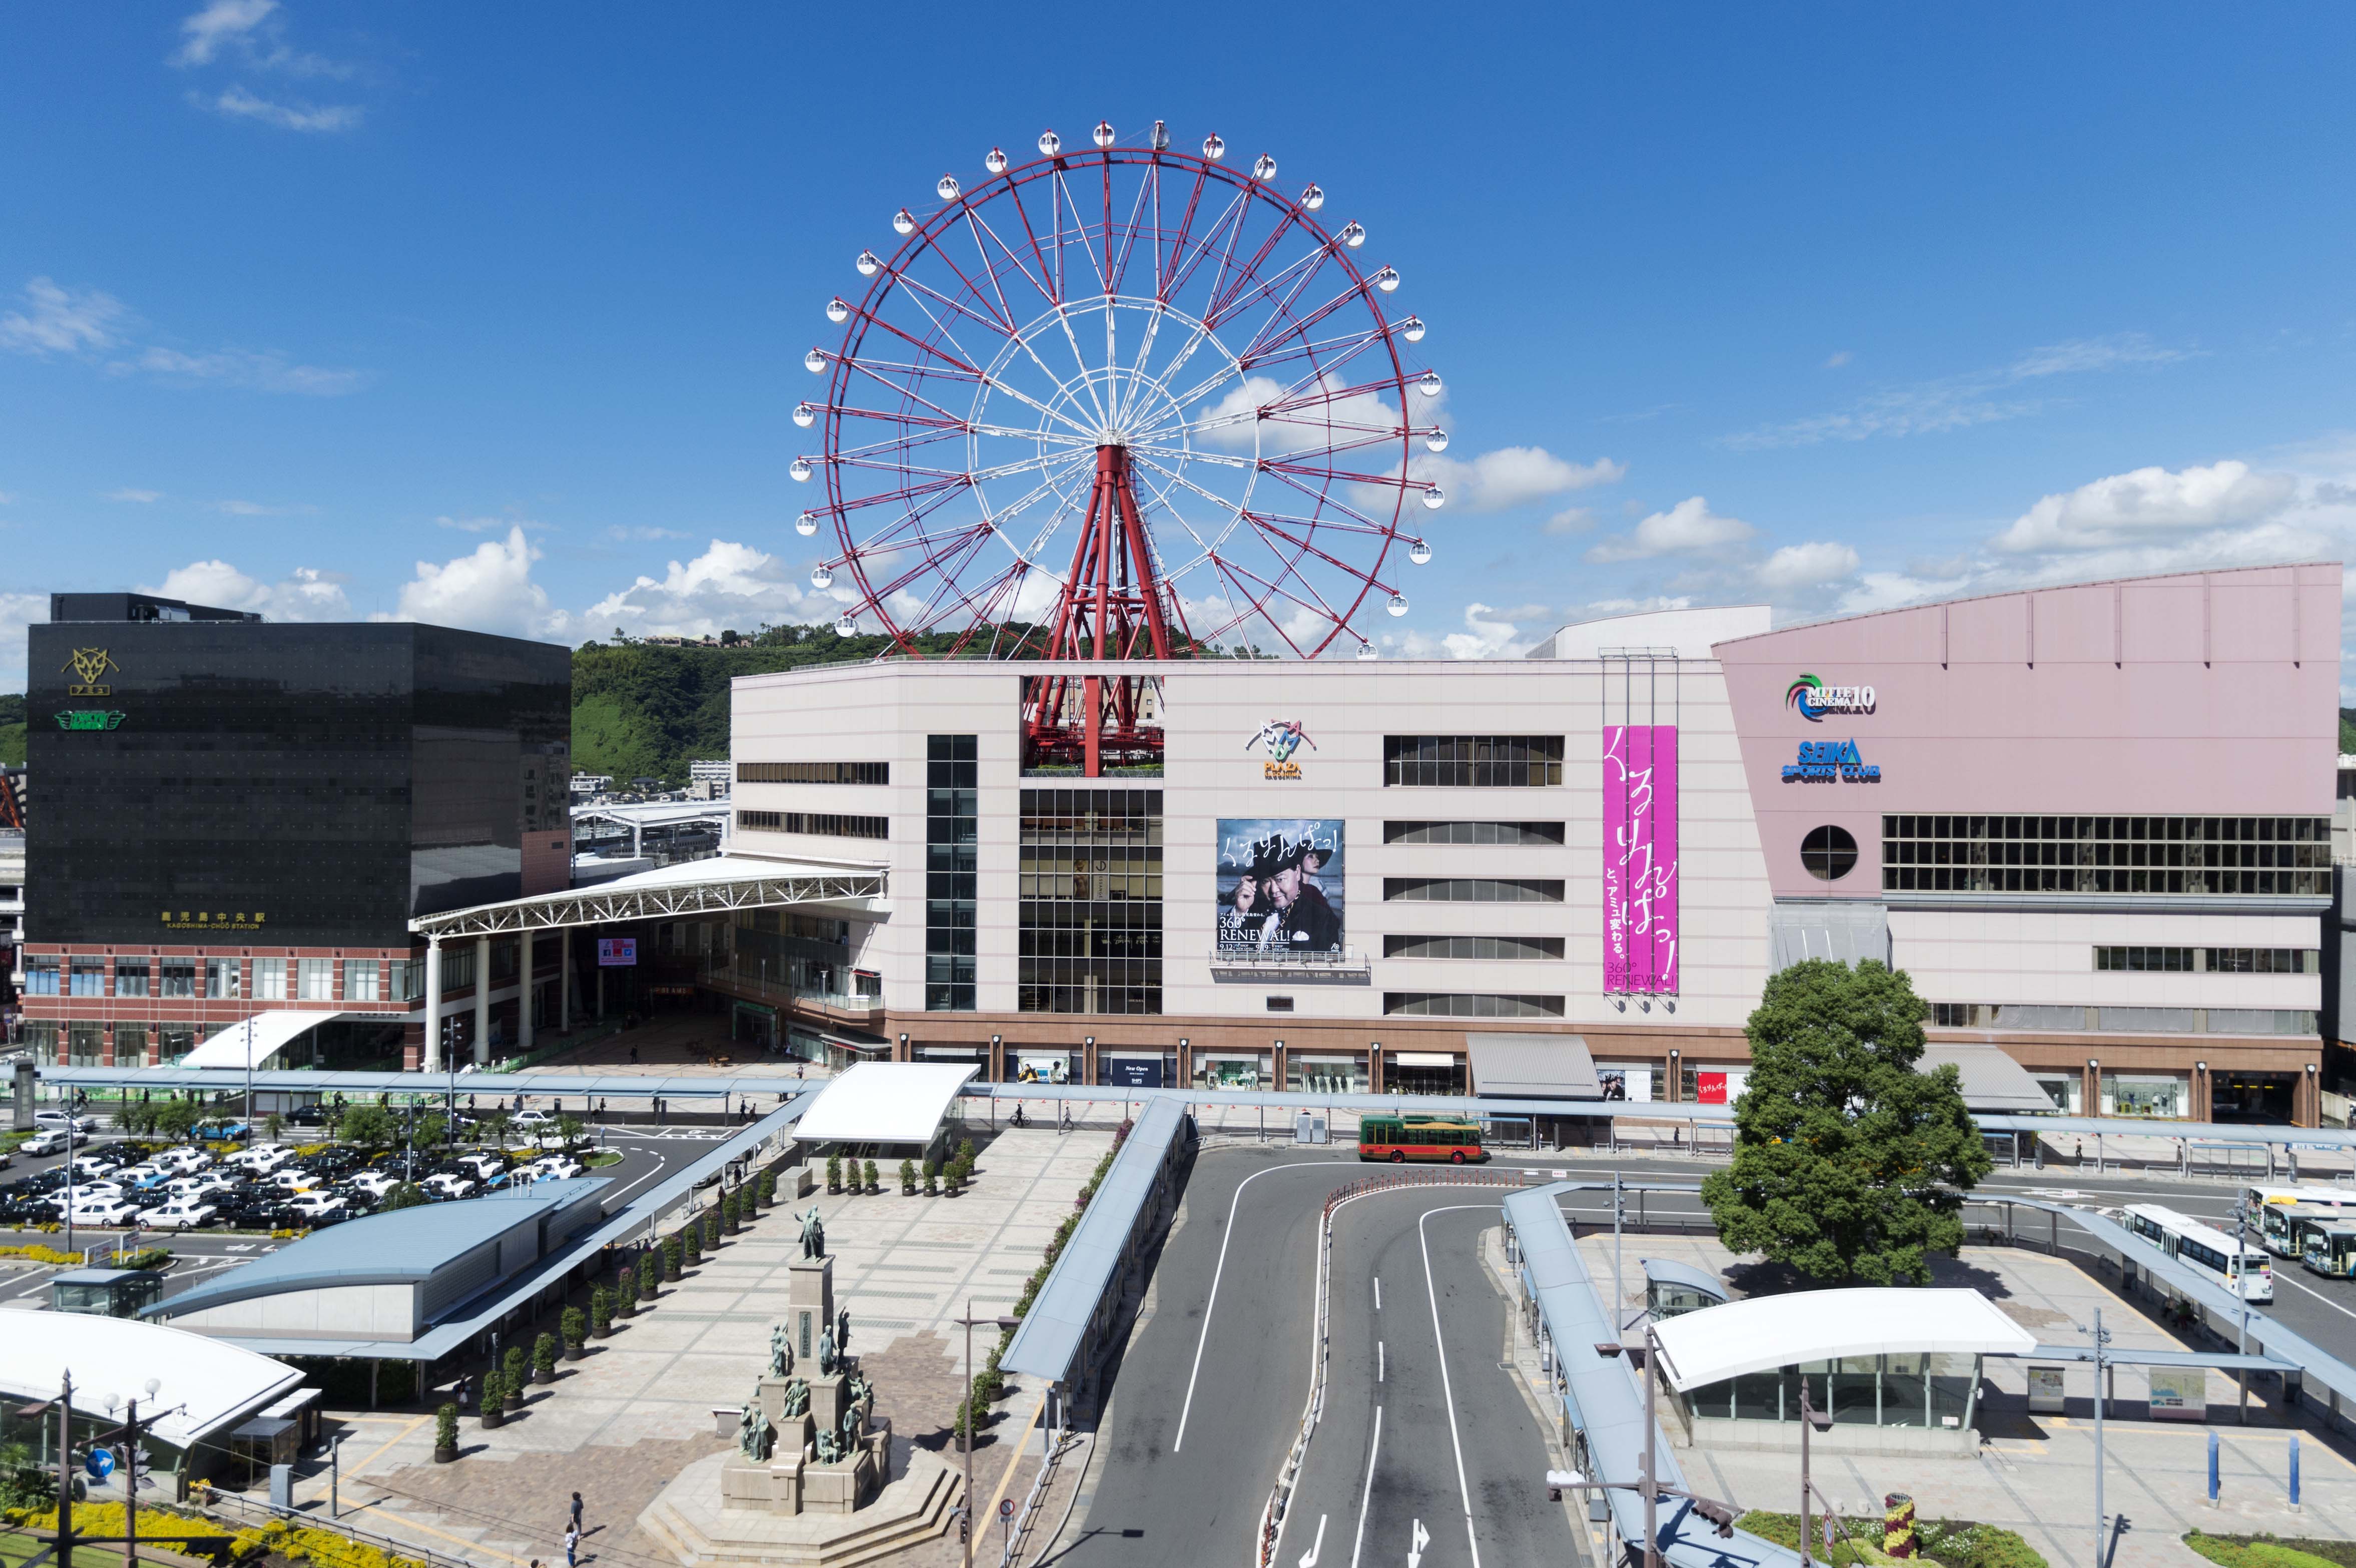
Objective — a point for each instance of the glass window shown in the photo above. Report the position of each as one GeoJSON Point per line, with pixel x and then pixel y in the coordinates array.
{"type": "Point", "coordinates": [174, 1041]}
{"type": "Point", "coordinates": [952, 827]}
{"type": "Point", "coordinates": [130, 1045]}
{"type": "Point", "coordinates": [180, 977]}
{"type": "Point", "coordinates": [361, 980]}
{"type": "Point", "coordinates": [85, 1044]}
{"type": "Point", "coordinates": [1472, 890]}
{"type": "Point", "coordinates": [2265, 857]}
{"type": "Point", "coordinates": [1089, 901]}
{"type": "Point", "coordinates": [1469, 1004]}
{"type": "Point", "coordinates": [1828, 852]}
{"type": "Point", "coordinates": [221, 977]}
{"type": "Point", "coordinates": [41, 977]}
{"type": "Point", "coordinates": [317, 976]}
{"type": "Point", "coordinates": [1502, 947]}
{"type": "Point", "coordinates": [404, 979]}
{"type": "Point", "coordinates": [270, 979]}
{"type": "Point", "coordinates": [2142, 1095]}
{"type": "Point", "coordinates": [87, 977]}
{"type": "Point", "coordinates": [131, 976]}
{"type": "Point", "coordinates": [1331, 1073]}
{"type": "Point", "coordinates": [1472, 762]}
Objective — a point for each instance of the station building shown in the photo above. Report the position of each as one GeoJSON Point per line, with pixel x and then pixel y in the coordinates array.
{"type": "Point", "coordinates": [2092, 822]}
{"type": "Point", "coordinates": [242, 818]}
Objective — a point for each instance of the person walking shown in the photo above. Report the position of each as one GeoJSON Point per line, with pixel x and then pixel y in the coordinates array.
{"type": "Point", "coordinates": [576, 1513]}
{"type": "Point", "coordinates": [571, 1546]}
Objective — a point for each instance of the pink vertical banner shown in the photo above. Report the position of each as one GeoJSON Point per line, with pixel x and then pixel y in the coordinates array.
{"type": "Point", "coordinates": [1639, 857]}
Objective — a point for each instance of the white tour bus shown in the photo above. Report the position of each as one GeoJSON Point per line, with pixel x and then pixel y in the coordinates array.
{"type": "Point", "coordinates": [2206, 1252]}
{"type": "Point", "coordinates": [2279, 1231]}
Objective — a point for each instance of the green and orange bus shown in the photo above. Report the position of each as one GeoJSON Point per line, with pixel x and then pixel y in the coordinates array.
{"type": "Point", "coordinates": [1402, 1138]}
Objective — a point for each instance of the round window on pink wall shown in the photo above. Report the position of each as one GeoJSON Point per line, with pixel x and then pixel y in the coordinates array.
{"type": "Point", "coordinates": [1828, 853]}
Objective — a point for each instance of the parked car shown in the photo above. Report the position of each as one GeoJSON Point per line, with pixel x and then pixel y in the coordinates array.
{"type": "Point", "coordinates": [260, 1161]}
{"type": "Point", "coordinates": [375, 1183]}
{"type": "Point", "coordinates": [81, 1123]}
{"type": "Point", "coordinates": [556, 1166]}
{"type": "Point", "coordinates": [481, 1166]}
{"type": "Point", "coordinates": [312, 1205]}
{"type": "Point", "coordinates": [448, 1184]}
{"type": "Point", "coordinates": [180, 1214]}
{"type": "Point", "coordinates": [220, 1130]}
{"type": "Point", "coordinates": [105, 1211]}
{"type": "Point", "coordinates": [181, 1161]}
{"type": "Point", "coordinates": [310, 1116]}
{"type": "Point", "coordinates": [295, 1180]}
{"type": "Point", "coordinates": [48, 1140]}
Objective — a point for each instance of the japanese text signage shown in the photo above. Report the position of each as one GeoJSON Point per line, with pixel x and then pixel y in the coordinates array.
{"type": "Point", "coordinates": [1640, 858]}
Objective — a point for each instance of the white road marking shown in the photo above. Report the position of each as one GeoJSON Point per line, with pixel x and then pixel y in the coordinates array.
{"type": "Point", "coordinates": [1416, 1541]}
{"type": "Point", "coordinates": [1378, 1361]}
{"type": "Point", "coordinates": [1309, 1558]}
{"type": "Point", "coordinates": [1379, 1293]}
{"type": "Point", "coordinates": [1447, 1390]}
{"type": "Point", "coordinates": [2296, 1284]}
{"type": "Point", "coordinates": [1367, 1492]}
{"type": "Point", "coordinates": [1213, 1299]}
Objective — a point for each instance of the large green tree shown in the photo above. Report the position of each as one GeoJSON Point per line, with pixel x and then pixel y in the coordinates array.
{"type": "Point", "coordinates": [1849, 1164]}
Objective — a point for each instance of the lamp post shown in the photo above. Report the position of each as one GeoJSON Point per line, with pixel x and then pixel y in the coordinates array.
{"type": "Point", "coordinates": [2101, 1338]}
{"type": "Point", "coordinates": [966, 1415]}
{"type": "Point", "coordinates": [1811, 1420]}
{"type": "Point", "coordinates": [1718, 1513]}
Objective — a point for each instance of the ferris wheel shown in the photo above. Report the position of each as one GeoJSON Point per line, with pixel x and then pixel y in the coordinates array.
{"type": "Point", "coordinates": [1122, 402]}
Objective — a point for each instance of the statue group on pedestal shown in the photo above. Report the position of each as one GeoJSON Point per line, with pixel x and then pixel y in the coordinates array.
{"type": "Point", "coordinates": [813, 1234]}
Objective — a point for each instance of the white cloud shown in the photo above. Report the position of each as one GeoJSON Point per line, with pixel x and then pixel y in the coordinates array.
{"type": "Point", "coordinates": [2150, 503]}
{"type": "Point", "coordinates": [239, 103]}
{"type": "Point", "coordinates": [490, 590]}
{"type": "Point", "coordinates": [622, 536]}
{"type": "Point", "coordinates": [1511, 476]}
{"type": "Point", "coordinates": [1489, 633]}
{"type": "Point", "coordinates": [729, 586]}
{"type": "Point", "coordinates": [61, 321]}
{"type": "Point", "coordinates": [222, 22]}
{"type": "Point", "coordinates": [1958, 402]}
{"type": "Point", "coordinates": [1804, 565]}
{"type": "Point", "coordinates": [1686, 527]}
{"type": "Point", "coordinates": [307, 594]}
{"type": "Point", "coordinates": [241, 368]}
{"type": "Point", "coordinates": [1838, 359]}
{"type": "Point", "coordinates": [18, 611]}
{"type": "Point", "coordinates": [1598, 608]}
{"type": "Point", "coordinates": [139, 497]}
{"type": "Point", "coordinates": [1570, 520]}
{"type": "Point", "coordinates": [256, 509]}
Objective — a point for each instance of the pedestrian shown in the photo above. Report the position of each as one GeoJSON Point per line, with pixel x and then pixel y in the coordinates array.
{"type": "Point", "coordinates": [576, 1512]}
{"type": "Point", "coordinates": [571, 1546]}
{"type": "Point", "coordinates": [633, 1056]}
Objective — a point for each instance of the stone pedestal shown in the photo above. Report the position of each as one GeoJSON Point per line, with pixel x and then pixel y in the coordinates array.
{"type": "Point", "coordinates": [810, 1306]}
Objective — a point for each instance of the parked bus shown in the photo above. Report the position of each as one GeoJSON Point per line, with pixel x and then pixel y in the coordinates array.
{"type": "Point", "coordinates": [1402, 1138]}
{"type": "Point", "coordinates": [2208, 1252]}
{"type": "Point", "coordinates": [2327, 1247]}
{"type": "Point", "coordinates": [2279, 1224]}
{"type": "Point", "coordinates": [2277, 1235]}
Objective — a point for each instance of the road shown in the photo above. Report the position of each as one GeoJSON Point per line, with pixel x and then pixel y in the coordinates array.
{"type": "Point", "coordinates": [648, 1155]}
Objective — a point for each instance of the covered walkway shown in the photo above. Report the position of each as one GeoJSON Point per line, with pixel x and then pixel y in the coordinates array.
{"type": "Point", "coordinates": [725, 884]}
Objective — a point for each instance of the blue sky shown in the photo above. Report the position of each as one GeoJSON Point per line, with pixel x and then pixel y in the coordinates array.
{"type": "Point", "coordinates": [493, 315]}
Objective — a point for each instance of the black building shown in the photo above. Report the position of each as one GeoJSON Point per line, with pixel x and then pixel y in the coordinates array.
{"type": "Point", "coordinates": [315, 785]}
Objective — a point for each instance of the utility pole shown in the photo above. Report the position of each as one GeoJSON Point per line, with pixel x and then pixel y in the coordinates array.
{"type": "Point", "coordinates": [1811, 1420]}
{"type": "Point", "coordinates": [2101, 1522]}
{"type": "Point", "coordinates": [65, 1450]}
{"type": "Point", "coordinates": [2241, 1298]}
{"type": "Point", "coordinates": [1618, 1299]}
{"type": "Point", "coordinates": [965, 1416]}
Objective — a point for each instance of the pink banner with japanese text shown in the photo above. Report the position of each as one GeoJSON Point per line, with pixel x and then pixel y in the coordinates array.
{"type": "Point", "coordinates": [1640, 858]}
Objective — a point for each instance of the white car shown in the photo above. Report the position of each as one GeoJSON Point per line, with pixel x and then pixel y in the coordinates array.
{"type": "Point", "coordinates": [186, 1186]}
{"type": "Point", "coordinates": [114, 1210]}
{"type": "Point", "coordinates": [448, 1184]}
{"type": "Point", "coordinates": [97, 1165]}
{"type": "Point", "coordinates": [180, 1214]}
{"type": "Point", "coordinates": [530, 1120]}
{"type": "Point", "coordinates": [82, 1192]}
{"type": "Point", "coordinates": [48, 1140]}
{"type": "Point", "coordinates": [556, 1167]}
{"type": "Point", "coordinates": [484, 1166]}
{"type": "Point", "coordinates": [260, 1161]}
{"type": "Point", "coordinates": [292, 1181]}
{"type": "Point", "coordinates": [376, 1183]}
{"type": "Point", "coordinates": [60, 1119]}
{"type": "Point", "coordinates": [312, 1205]}
{"type": "Point", "coordinates": [183, 1161]}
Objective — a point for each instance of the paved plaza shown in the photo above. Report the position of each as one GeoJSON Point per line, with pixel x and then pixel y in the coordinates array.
{"type": "Point", "coordinates": [619, 1423]}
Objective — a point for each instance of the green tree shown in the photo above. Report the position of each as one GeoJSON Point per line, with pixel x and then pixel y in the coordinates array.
{"type": "Point", "coordinates": [570, 1128]}
{"type": "Point", "coordinates": [403, 1195]}
{"type": "Point", "coordinates": [176, 1119]}
{"type": "Point", "coordinates": [1849, 1165]}
{"type": "Point", "coordinates": [371, 1126]}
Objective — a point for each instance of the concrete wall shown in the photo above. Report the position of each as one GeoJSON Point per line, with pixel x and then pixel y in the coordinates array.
{"type": "Point", "coordinates": [329, 1312]}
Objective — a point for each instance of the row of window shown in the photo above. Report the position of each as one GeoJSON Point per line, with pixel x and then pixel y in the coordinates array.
{"type": "Point", "coordinates": [2088, 829]}
{"type": "Point", "coordinates": [1510, 947]}
{"type": "Point", "coordinates": [825, 823]}
{"type": "Point", "coordinates": [1472, 890]}
{"type": "Point", "coordinates": [1471, 761]}
{"type": "Point", "coordinates": [2045, 1017]}
{"type": "Point", "coordinates": [2311, 883]}
{"type": "Point", "coordinates": [2212, 960]}
{"type": "Point", "coordinates": [1088, 902]}
{"type": "Point", "coordinates": [223, 979]}
{"type": "Point", "coordinates": [1472, 833]}
{"type": "Point", "coordinates": [1467, 1005]}
{"type": "Point", "coordinates": [952, 824]}
{"type": "Point", "coordinates": [814, 772]}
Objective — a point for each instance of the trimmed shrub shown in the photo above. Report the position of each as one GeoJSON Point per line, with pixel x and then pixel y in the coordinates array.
{"type": "Point", "coordinates": [445, 1429]}
{"type": "Point", "coordinates": [873, 1184]}
{"type": "Point", "coordinates": [728, 1213]}
{"type": "Point", "coordinates": [573, 1324]}
{"type": "Point", "coordinates": [907, 1179]}
{"type": "Point", "coordinates": [512, 1368]}
{"type": "Point", "coordinates": [932, 1177]}
{"type": "Point", "coordinates": [767, 1189]}
{"type": "Point", "coordinates": [648, 1273]}
{"type": "Point", "coordinates": [965, 1152]}
{"type": "Point", "coordinates": [833, 1173]}
{"type": "Point", "coordinates": [626, 1291]}
{"type": "Point", "coordinates": [493, 1394]}
{"type": "Point", "coordinates": [544, 1358]}
{"type": "Point", "coordinates": [711, 1230]}
{"type": "Point", "coordinates": [601, 1311]}
{"type": "Point", "coordinates": [691, 1244]}
{"type": "Point", "coordinates": [673, 1256]}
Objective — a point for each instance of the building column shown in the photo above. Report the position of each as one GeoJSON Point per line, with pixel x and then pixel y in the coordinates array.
{"type": "Point", "coordinates": [482, 1001]}
{"type": "Point", "coordinates": [524, 996]}
{"type": "Point", "coordinates": [432, 1003]}
{"type": "Point", "coordinates": [564, 980]}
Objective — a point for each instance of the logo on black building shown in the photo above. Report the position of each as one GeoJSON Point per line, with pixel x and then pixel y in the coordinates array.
{"type": "Point", "coordinates": [90, 665]}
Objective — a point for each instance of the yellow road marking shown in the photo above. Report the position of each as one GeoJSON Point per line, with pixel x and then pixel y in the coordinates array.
{"type": "Point", "coordinates": [407, 1523]}
{"type": "Point", "coordinates": [412, 1426]}
{"type": "Point", "coordinates": [1004, 1480]}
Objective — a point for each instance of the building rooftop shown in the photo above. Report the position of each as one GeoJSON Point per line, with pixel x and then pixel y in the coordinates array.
{"type": "Point", "coordinates": [1761, 1333]}
{"type": "Point", "coordinates": [203, 1384]}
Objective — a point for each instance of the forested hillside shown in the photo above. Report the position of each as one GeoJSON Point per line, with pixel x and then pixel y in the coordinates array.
{"type": "Point", "coordinates": [12, 730]}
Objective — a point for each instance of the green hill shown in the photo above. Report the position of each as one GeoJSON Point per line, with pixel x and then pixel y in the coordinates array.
{"type": "Point", "coordinates": [2347, 730]}
{"type": "Point", "coordinates": [12, 729]}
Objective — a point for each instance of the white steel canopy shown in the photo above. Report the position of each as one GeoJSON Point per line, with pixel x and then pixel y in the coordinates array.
{"type": "Point", "coordinates": [1761, 1333]}
{"type": "Point", "coordinates": [203, 1384]}
{"type": "Point", "coordinates": [691, 887]}
{"type": "Point", "coordinates": [885, 1103]}
{"type": "Point", "coordinates": [251, 1041]}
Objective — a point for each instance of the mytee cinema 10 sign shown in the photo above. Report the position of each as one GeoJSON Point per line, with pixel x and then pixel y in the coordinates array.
{"type": "Point", "coordinates": [1810, 699]}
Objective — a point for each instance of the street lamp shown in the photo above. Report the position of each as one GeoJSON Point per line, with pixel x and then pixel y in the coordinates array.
{"type": "Point", "coordinates": [965, 1414]}
{"type": "Point", "coordinates": [1718, 1513]}
{"type": "Point", "coordinates": [1811, 1420]}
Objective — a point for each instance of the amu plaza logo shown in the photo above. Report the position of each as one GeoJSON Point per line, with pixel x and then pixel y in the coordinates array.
{"type": "Point", "coordinates": [1280, 738]}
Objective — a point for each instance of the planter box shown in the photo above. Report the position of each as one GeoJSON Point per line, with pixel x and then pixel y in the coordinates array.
{"type": "Point", "coordinates": [573, 1353]}
{"type": "Point", "coordinates": [446, 1455]}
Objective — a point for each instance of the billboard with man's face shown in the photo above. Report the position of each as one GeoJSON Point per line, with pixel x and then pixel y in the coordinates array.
{"type": "Point", "coordinates": [1280, 885]}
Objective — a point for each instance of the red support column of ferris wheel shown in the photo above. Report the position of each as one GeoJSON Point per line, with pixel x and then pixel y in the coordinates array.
{"type": "Point", "coordinates": [1111, 601]}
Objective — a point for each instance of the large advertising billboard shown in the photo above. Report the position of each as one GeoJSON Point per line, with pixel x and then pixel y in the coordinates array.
{"type": "Point", "coordinates": [1640, 858]}
{"type": "Point", "coordinates": [1279, 882]}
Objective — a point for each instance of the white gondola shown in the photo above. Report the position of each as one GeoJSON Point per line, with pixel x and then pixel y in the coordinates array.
{"type": "Point", "coordinates": [2217, 1257]}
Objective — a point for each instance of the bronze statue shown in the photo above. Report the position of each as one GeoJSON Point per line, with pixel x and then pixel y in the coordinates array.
{"type": "Point", "coordinates": [825, 1354]}
{"type": "Point", "coordinates": [781, 1351]}
{"type": "Point", "coordinates": [813, 1234]}
{"type": "Point", "coordinates": [752, 1435]}
{"type": "Point", "coordinates": [796, 1400]}
{"type": "Point", "coordinates": [843, 1330]}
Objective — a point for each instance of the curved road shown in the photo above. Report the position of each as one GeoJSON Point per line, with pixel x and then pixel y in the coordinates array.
{"type": "Point", "coordinates": [1213, 1388]}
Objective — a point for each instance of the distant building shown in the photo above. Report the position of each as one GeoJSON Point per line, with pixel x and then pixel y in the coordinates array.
{"type": "Point", "coordinates": [592, 783]}
{"type": "Point", "coordinates": [241, 818]}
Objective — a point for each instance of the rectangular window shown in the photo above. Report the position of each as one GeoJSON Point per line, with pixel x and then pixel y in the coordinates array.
{"type": "Point", "coordinates": [41, 977]}
{"type": "Point", "coordinates": [221, 978]}
{"type": "Point", "coordinates": [404, 979]}
{"type": "Point", "coordinates": [131, 976]}
{"type": "Point", "coordinates": [1472, 833]}
{"type": "Point", "coordinates": [2264, 960]}
{"type": "Point", "coordinates": [1279, 1004]}
{"type": "Point", "coordinates": [270, 979]}
{"type": "Point", "coordinates": [1089, 901]}
{"type": "Point", "coordinates": [130, 1045]}
{"type": "Point", "coordinates": [318, 979]}
{"type": "Point", "coordinates": [828, 824]}
{"type": "Point", "coordinates": [1472, 890]}
{"type": "Point", "coordinates": [952, 828]}
{"type": "Point", "coordinates": [1472, 762]}
{"type": "Point", "coordinates": [1951, 1014]}
{"type": "Point", "coordinates": [2168, 960]}
{"type": "Point", "coordinates": [458, 967]}
{"type": "Point", "coordinates": [814, 772]}
{"type": "Point", "coordinates": [361, 980]}
{"type": "Point", "coordinates": [2243, 857]}
{"type": "Point", "coordinates": [179, 977]}
{"type": "Point", "coordinates": [1471, 947]}
{"type": "Point", "coordinates": [1468, 1005]}
{"type": "Point", "coordinates": [87, 977]}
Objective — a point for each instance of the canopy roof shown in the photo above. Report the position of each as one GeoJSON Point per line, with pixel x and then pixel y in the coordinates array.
{"type": "Point", "coordinates": [1991, 1079]}
{"type": "Point", "coordinates": [690, 887]}
{"type": "Point", "coordinates": [251, 1041]}
{"type": "Point", "coordinates": [1668, 1271]}
{"type": "Point", "coordinates": [203, 1384]}
{"type": "Point", "coordinates": [1761, 1333]}
{"type": "Point", "coordinates": [1526, 1064]}
{"type": "Point", "coordinates": [885, 1103]}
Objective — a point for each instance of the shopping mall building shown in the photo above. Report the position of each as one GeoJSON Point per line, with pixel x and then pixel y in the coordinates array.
{"type": "Point", "coordinates": [2092, 822]}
